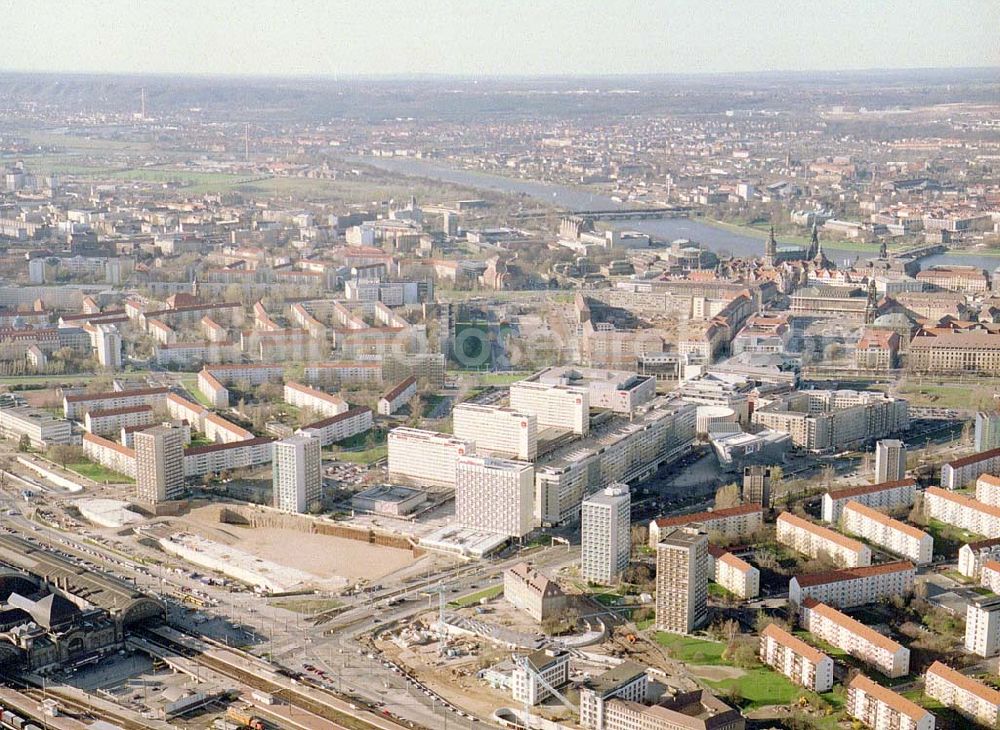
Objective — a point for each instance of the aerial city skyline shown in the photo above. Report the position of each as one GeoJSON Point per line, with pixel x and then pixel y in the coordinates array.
{"type": "Point", "coordinates": [562, 366]}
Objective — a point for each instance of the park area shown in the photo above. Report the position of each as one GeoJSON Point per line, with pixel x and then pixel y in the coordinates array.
{"type": "Point", "coordinates": [752, 687]}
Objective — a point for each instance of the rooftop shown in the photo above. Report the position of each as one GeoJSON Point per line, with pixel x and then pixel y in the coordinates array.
{"type": "Point", "coordinates": [871, 488]}
{"type": "Point", "coordinates": [897, 702]}
{"type": "Point", "coordinates": [869, 571]}
{"type": "Point", "coordinates": [773, 631]}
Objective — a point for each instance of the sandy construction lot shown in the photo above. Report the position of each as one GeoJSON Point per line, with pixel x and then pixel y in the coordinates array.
{"type": "Point", "coordinates": [321, 555]}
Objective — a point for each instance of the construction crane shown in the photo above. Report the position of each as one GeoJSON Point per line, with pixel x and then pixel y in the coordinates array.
{"type": "Point", "coordinates": [440, 591]}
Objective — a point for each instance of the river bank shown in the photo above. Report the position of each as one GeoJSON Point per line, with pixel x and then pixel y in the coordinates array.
{"type": "Point", "coordinates": [723, 238]}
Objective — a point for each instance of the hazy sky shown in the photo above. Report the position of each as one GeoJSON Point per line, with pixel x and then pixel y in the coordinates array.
{"type": "Point", "coordinates": [495, 37]}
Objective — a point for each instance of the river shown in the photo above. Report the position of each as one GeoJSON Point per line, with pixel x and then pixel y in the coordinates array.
{"type": "Point", "coordinates": [717, 239]}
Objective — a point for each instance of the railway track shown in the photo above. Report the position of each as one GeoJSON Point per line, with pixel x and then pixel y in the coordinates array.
{"type": "Point", "coordinates": [81, 708]}
{"type": "Point", "coordinates": [297, 698]}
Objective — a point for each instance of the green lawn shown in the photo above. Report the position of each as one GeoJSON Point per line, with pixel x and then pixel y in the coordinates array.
{"type": "Point", "coordinates": [190, 383]}
{"type": "Point", "coordinates": [717, 591]}
{"type": "Point", "coordinates": [484, 378]}
{"type": "Point", "coordinates": [691, 650]}
{"type": "Point", "coordinates": [474, 598]}
{"type": "Point", "coordinates": [607, 598]}
{"type": "Point", "coordinates": [368, 456]}
{"type": "Point", "coordinates": [98, 473]}
{"type": "Point", "coordinates": [47, 379]}
{"type": "Point", "coordinates": [761, 687]}
{"type": "Point", "coordinates": [948, 539]}
{"type": "Point", "coordinates": [940, 396]}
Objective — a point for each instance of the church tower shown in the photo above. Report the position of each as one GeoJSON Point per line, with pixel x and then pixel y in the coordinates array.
{"type": "Point", "coordinates": [871, 306]}
{"type": "Point", "coordinates": [813, 244]}
{"type": "Point", "coordinates": [770, 250]}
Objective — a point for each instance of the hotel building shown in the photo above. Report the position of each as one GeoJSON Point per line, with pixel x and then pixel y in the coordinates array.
{"type": "Point", "coordinates": [497, 431]}
{"type": "Point", "coordinates": [494, 495]}
{"type": "Point", "coordinates": [555, 406]}
{"type": "Point", "coordinates": [426, 457]}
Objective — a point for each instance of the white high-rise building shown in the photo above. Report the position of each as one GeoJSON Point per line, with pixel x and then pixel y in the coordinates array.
{"type": "Point", "coordinates": [890, 460]}
{"type": "Point", "coordinates": [982, 626]}
{"type": "Point", "coordinates": [681, 580]}
{"type": "Point", "coordinates": [495, 495]}
{"type": "Point", "coordinates": [497, 431]}
{"type": "Point", "coordinates": [107, 343]}
{"type": "Point", "coordinates": [426, 457]}
{"type": "Point", "coordinates": [297, 473]}
{"type": "Point", "coordinates": [605, 534]}
{"type": "Point", "coordinates": [555, 406]}
{"type": "Point", "coordinates": [159, 464]}
{"type": "Point", "coordinates": [987, 431]}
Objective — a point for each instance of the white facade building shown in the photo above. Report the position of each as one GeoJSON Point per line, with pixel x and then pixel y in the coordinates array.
{"type": "Point", "coordinates": [982, 626]}
{"type": "Point", "coordinates": [895, 536]}
{"type": "Point", "coordinates": [801, 663]}
{"type": "Point", "coordinates": [962, 511]}
{"type": "Point", "coordinates": [555, 406]}
{"type": "Point", "coordinates": [815, 540]}
{"type": "Point", "coordinates": [882, 709]}
{"type": "Point", "coordinates": [730, 523]}
{"type": "Point", "coordinates": [886, 496]}
{"type": "Point", "coordinates": [988, 490]}
{"type": "Point", "coordinates": [972, 556]}
{"type": "Point", "coordinates": [497, 431]}
{"type": "Point", "coordinates": [854, 586]}
{"type": "Point", "coordinates": [494, 495]}
{"type": "Point", "coordinates": [42, 428]}
{"type": "Point", "coordinates": [605, 534]}
{"type": "Point", "coordinates": [547, 668]}
{"type": "Point", "coordinates": [736, 575]}
{"type": "Point", "coordinates": [860, 641]}
{"type": "Point", "coordinates": [967, 696]}
{"type": "Point", "coordinates": [323, 404]}
{"type": "Point", "coordinates": [297, 473]}
{"type": "Point", "coordinates": [962, 472]}
{"type": "Point", "coordinates": [426, 457]}
{"type": "Point", "coordinates": [342, 426]}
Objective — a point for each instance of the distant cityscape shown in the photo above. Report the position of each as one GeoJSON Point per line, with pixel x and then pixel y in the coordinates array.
{"type": "Point", "coordinates": [614, 404]}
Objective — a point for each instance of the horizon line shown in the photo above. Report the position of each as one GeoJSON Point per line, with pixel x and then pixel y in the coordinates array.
{"type": "Point", "coordinates": [466, 76]}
